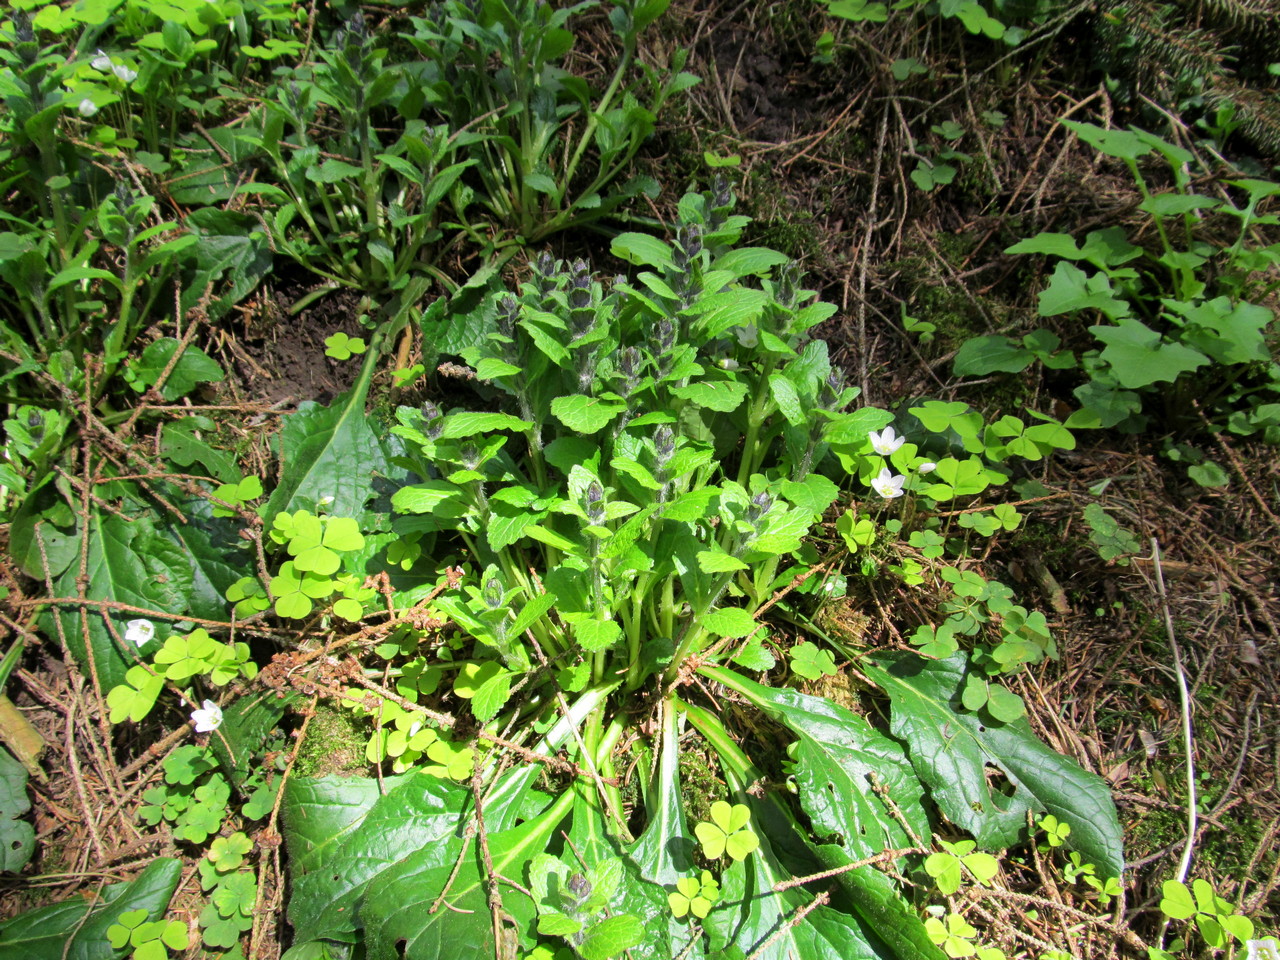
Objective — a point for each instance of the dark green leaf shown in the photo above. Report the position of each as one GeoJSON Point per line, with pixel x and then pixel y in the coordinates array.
{"type": "Point", "coordinates": [77, 929]}
{"type": "Point", "coordinates": [955, 752]}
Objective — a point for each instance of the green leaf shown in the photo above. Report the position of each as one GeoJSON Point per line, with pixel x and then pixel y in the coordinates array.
{"type": "Point", "coordinates": [730, 622]}
{"type": "Point", "coordinates": [180, 445]}
{"type": "Point", "coordinates": [17, 837]}
{"type": "Point", "coordinates": [979, 356]}
{"type": "Point", "coordinates": [130, 563]}
{"type": "Point", "coordinates": [954, 752]}
{"type": "Point", "coordinates": [468, 424]}
{"type": "Point", "coordinates": [1177, 903]}
{"type": "Point", "coordinates": [1070, 289]}
{"type": "Point", "coordinates": [585, 414]}
{"type": "Point", "coordinates": [742, 261]}
{"type": "Point", "coordinates": [611, 936]}
{"type": "Point", "coordinates": [328, 452]}
{"type": "Point", "coordinates": [1121, 144]}
{"type": "Point", "coordinates": [642, 250]}
{"type": "Point", "coordinates": [837, 759]}
{"type": "Point", "coordinates": [1139, 356]}
{"type": "Point", "coordinates": [193, 368]}
{"type": "Point", "coordinates": [723, 396]}
{"type": "Point", "coordinates": [76, 929]}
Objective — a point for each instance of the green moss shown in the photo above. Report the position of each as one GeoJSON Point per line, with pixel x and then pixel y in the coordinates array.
{"type": "Point", "coordinates": [334, 745]}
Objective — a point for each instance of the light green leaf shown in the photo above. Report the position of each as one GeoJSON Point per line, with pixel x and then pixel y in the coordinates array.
{"type": "Point", "coordinates": [730, 622]}
{"type": "Point", "coordinates": [585, 414]}
{"type": "Point", "coordinates": [1139, 356]}
{"type": "Point", "coordinates": [723, 396]}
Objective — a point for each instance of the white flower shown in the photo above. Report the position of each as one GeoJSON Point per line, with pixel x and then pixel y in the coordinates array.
{"type": "Point", "coordinates": [1266, 949]}
{"type": "Point", "coordinates": [139, 632]}
{"type": "Point", "coordinates": [888, 484]}
{"type": "Point", "coordinates": [207, 719]}
{"type": "Point", "coordinates": [101, 61]}
{"type": "Point", "coordinates": [87, 107]}
{"type": "Point", "coordinates": [728, 364]}
{"type": "Point", "coordinates": [124, 73]}
{"type": "Point", "coordinates": [324, 502]}
{"type": "Point", "coordinates": [927, 467]}
{"type": "Point", "coordinates": [885, 443]}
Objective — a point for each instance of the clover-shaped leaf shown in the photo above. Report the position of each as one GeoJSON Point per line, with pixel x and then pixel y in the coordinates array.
{"type": "Point", "coordinates": [295, 590]}
{"type": "Point", "coordinates": [121, 931]}
{"type": "Point", "coordinates": [694, 896]}
{"type": "Point", "coordinates": [727, 832]}
{"type": "Point", "coordinates": [342, 347]}
{"type": "Point", "coordinates": [227, 853]}
{"type": "Point", "coordinates": [1056, 832]}
{"type": "Point", "coordinates": [452, 760]}
{"type": "Point", "coordinates": [810, 662]}
{"type": "Point", "coordinates": [236, 495]}
{"type": "Point", "coordinates": [248, 596]}
{"type": "Point", "coordinates": [134, 698]}
{"type": "Point", "coordinates": [945, 865]}
{"type": "Point", "coordinates": [955, 936]}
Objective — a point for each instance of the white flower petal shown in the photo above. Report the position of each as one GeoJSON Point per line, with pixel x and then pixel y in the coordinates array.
{"type": "Point", "coordinates": [888, 484]}
{"type": "Point", "coordinates": [927, 467]}
{"type": "Point", "coordinates": [139, 632]}
{"type": "Point", "coordinates": [208, 718]}
{"type": "Point", "coordinates": [885, 442]}
{"type": "Point", "coordinates": [124, 73]}
{"type": "Point", "coordinates": [101, 61]}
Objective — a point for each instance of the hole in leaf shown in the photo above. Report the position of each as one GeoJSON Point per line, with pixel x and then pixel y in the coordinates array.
{"type": "Point", "coordinates": [997, 782]}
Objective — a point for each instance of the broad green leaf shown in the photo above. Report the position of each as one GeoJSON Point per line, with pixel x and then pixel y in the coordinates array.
{"type": "Point", "coordinates": [17, 837]}
{"type": "Point", "coordinates": [76, 929]}
{"type": "Point", "coordinates": [787, 399]}
{"type": "Point", "coordinates": [347, 836]}
{"type": "Point", "coordinates": [611, 937]}
{"type": "Point", "coordinates": [585, 414]}
{"type": "Point", "coordinates": [128, 562]}
{"type": "Point", "coordinates": [193, 367]}
{"type": "Point", "coordinates": [955, 751]}
{"type": "Point", "coordinates": [642, 250]}
{"type": "Point", "coordinates": [1053, 244]}
{"type": "Point", "coordinates": [979, 356]}
{"type": "Point", "coordinates": [1139, 356]}
{"type": "Point", "coordinates": [396, 911]}
{"type": "Point", "coordinates": [328, 452]}
{"type": "Point", "coordinates": [730, 622]}
{"type": "Point", "coordinates": [751, 919]}
{"type": "Point", "coordinates": [723, 396]}
{"type": "Point", "coordinates": [1121, 144]}
{"type": "Point", "coordinates": [1070, 289]}
{"type": "Point", "coordinates": [750, 260]}
{"type": "Point", "coordinates": [836, 761]}
{"type": "Point", "coordinates": [466, 424]}
{"type": "Point", "coordinates": [180, 445]}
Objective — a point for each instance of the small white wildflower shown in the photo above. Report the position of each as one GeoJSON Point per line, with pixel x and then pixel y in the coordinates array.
{"type": "Point", "coordinates": [414, 729]}
{"type": "Point", "coordinates": [101, 61]}
{"type": "Point", "coordinates": [888, 484]}
{"type": "Point", "coordinates": [747, 336]}
{"type": "Point", "coordinates": [324, 502]}
{"type": "Point", "coordinates": [139, 632]}
{"type": "Point", "coordinates": [1266, 949]}
{"type": "Point", "coordinates": [87, 107]}
{"type": "Point", "coordinates": [885, 442]}
{"type": "Point", "coordinates": [124, 73]}
{"type": "Point", "coordinates": [727, 364]}
{"type": "Point", "coordinates": [927, 467]}
{"type": "Point", "coordinates": [208, 719]}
